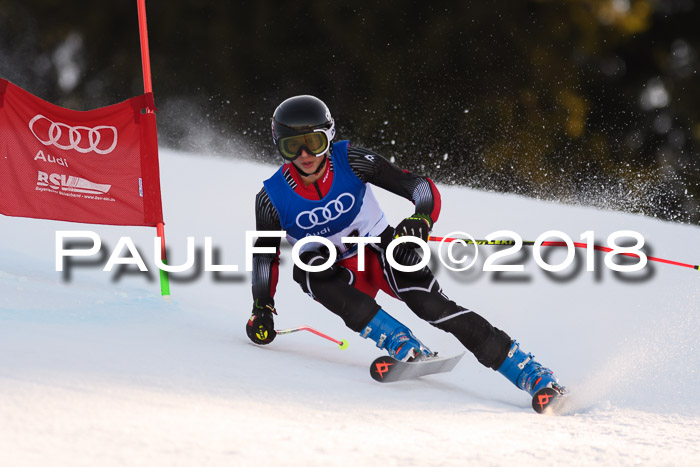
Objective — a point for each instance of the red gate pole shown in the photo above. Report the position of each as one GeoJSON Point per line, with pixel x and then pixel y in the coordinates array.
{"type": "Point", "coordinates": [148, 88]}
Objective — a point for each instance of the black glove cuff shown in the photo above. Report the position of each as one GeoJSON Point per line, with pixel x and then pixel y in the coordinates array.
{"type": "Point", "coordinates": [425, 217]}
{"type": "Point", "coordinates": [264, 304]}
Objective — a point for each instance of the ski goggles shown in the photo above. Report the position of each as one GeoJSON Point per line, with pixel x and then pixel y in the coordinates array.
{"type": "Point", "coordinates": [315, 143]}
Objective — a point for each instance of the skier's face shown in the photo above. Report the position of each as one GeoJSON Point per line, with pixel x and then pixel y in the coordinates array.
{"type": "Point", "coordinates": [307, 162]}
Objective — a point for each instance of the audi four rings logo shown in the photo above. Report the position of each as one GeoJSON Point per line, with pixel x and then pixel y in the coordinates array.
{"type": "Point", "coordinates": [101, 139]}
{"type": "Point", "coordinates": [321, 215]}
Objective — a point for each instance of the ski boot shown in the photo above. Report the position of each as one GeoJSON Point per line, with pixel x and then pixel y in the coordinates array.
{"type": "Point", "coordinates": [522, 370]}
{"type": "Point", "coordinates": [395, 338]}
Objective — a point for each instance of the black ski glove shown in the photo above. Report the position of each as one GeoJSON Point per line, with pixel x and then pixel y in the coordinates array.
{"type": "Point", "coordinates": [261, 326]}
{"type": "Point", "coordinates": [418, 225]}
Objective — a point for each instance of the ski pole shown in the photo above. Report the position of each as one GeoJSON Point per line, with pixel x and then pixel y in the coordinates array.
{"type": "Point", "coordinates": [576, 244]}
{"type": "Point", "coordinates": [342, 342]}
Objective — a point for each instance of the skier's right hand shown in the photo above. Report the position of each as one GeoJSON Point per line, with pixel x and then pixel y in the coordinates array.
{"type": "Point", "coordinates": [417, 225]}
{"type": "Point", "coordinates": [261, 326]}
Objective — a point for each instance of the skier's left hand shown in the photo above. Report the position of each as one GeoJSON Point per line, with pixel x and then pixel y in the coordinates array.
{"type": "Point", "coordinates": [261, 326]}
{"type": "Point", "coordinates": [417, 225]}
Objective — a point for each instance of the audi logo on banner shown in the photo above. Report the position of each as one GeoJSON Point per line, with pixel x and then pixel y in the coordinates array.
{"type": "Point", "coordinates": [101, 139]}
{"type": "Point", "coordinates": [322, 215]}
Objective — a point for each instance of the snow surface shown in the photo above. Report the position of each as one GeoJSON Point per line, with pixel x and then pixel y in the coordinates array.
{"type": "Point", "coordinates": [97, 369]}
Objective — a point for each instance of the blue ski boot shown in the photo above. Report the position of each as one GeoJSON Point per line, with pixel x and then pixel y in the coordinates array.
{"type": "Point", "coordinates": [522, 370]}
{"type": "Point", "coordinates": [396, 338]}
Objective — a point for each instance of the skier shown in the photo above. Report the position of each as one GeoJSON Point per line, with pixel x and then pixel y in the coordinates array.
{"type": "Point", "coordinates": [323, 189]}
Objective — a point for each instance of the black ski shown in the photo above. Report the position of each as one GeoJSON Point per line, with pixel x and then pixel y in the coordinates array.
{"type": "Point", "coordinates": [387, 369]}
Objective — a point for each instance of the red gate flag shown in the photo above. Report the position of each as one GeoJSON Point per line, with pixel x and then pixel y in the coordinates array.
{"type": "Point", "coordinates": [95, 167]}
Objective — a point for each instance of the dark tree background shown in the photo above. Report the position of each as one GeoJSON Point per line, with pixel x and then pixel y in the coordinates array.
{"type": "Point", "coordinates": [589, 101]}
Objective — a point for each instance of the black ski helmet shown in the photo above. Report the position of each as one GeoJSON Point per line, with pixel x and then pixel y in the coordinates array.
{"type": "Point", "coordinates": [299, 115]}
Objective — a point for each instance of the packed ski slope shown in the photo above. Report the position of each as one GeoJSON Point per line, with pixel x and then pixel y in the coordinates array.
{"type": "Point", "coordinates": [97, 369]}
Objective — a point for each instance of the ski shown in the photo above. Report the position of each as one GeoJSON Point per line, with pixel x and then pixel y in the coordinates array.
{"type": "Point", "coordinates": [548, 400]}
{"type": "Point", "coordinates": [387, 369]}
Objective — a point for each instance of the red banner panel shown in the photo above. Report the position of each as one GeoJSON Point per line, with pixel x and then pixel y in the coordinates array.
{"type": "Point", "coordinates": [95, 167]}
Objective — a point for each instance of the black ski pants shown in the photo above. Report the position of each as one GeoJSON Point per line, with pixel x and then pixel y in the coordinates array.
{"type": "Point", "coordinates": [335, 289]}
